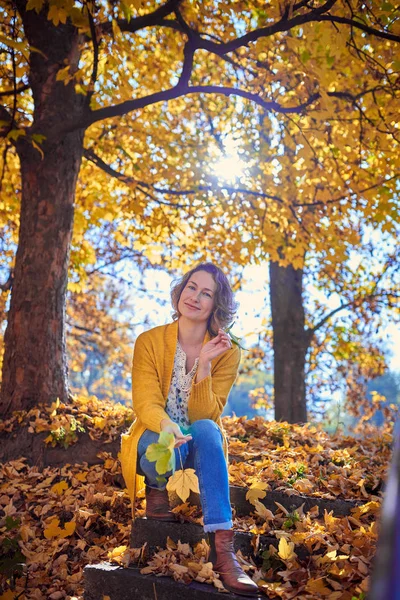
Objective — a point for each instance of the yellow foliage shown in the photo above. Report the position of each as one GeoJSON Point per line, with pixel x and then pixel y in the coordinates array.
{"type": "Point", "coordinates": [256, 491]}
{"type": "Point", "coordinates": [59, 488]}
{"type": "Point", "coordinates": [286, 550]}
{"type": "Point", "coordinates": [53, 530]}
{"type": "Point", "coordinates": [183, 482]}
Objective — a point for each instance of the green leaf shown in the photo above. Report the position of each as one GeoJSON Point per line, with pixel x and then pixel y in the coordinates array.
{"type": "Point", "coordinates": [127, 11]}
{"type": "Point", "coordinates": [167, 440]}
{"type": "Point", "coordinates": [14, 134]}
{"type": "Point", "coordinates": [162, 453]}
{"type": "Point", "coordinates": [38, 137]}
{"type": "Point", "coordinates": [234, 338]}
{"type": "Point", "coordinates": [12, 523]}
{"type": "Point", "coordinates": [330, 60]}
{"type": "Point", "coordinates": [305, 56]}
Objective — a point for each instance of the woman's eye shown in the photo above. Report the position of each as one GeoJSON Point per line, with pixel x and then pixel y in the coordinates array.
{"type": "Point", "coordinates": [207, 294]}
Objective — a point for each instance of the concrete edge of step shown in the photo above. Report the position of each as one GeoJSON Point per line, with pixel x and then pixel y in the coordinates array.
{"type": "Point", "coordinates": [119, 583]}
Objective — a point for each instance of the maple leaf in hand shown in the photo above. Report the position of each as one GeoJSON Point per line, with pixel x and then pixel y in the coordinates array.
{"type": "Point", "coordinates": [183, 482]}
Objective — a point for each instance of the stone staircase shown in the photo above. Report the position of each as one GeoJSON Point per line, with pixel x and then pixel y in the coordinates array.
{"type": "Point", "coordinates": [107, 581]}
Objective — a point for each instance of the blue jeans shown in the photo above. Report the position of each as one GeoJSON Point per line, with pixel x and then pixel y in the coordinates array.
{"type": "Point", "coordinates": [205, 454]}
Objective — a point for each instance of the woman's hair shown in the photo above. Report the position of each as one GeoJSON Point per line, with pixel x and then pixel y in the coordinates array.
{"type": "Point", "coordinates": [224, 302]}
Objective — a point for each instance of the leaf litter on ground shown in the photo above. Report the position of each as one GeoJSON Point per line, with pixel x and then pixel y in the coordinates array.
{"type": "Point", "coordinates": [54, 521]}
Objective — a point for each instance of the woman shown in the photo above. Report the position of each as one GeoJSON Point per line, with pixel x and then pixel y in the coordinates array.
{"type": "Point", "coordinates": [181, 377]}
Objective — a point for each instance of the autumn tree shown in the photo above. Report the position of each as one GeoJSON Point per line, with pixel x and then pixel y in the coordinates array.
{"type": "Point", "coordinates": [80, 80]}
{"type": "Point", "coordinates": [321, 176]}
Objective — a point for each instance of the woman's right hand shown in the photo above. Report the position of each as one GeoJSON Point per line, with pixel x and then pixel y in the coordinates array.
{"type": "Point", "coordinates": [171, 427]}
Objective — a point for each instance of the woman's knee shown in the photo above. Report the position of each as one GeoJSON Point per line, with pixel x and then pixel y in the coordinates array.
{"type": "Point", "coordinates": [205, 430]}
{"type": "Point", "coordinates": [148, 437]}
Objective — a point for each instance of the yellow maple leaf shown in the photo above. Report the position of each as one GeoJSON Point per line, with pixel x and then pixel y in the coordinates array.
{"type": "Point", "coordinates": [54, 530]}
{"type": "Point", "coordinates": [317, 586]}
{"type": "Point", "coordinates": [120, 555]}
{"type": "Point", "coordinates": [257, 491]}
{"type": "Point", "coordinates": [183, 482]}
{"type": "Point", "coordinates": [262, 511]}
{"type": "Point", "coordinates": [81, 476]}
{"type": "Point", "coordinates": [59, 488]}
{"type": "Point", "coordinates": [286, 549]}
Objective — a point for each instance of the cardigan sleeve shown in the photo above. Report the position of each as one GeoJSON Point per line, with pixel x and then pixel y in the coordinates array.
{"type": "Point", "coordinates": [148, 401]}
{"type": "Point", "coordinates": [208, 397]}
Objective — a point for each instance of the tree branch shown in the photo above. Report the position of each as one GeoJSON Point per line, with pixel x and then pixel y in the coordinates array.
{"type": "Point", "coordinates": [183, 90]}
{"type": "Point", "coordinates": [90, 155]}
{"type": "Point", "coordinates": [351, 193]}
{"type": "Point", "coordinates": [16, 91]}
{"type": "Point", "coordinates": [284, 24]}
{"type": "Point", "coordinates": [148, 20]}
{"type": "Point", "coordinates": [359, 299]}
{"type": "Point", "coordinates": [359, 25]}
{"type": "Point", "coordinates": [99, 162]}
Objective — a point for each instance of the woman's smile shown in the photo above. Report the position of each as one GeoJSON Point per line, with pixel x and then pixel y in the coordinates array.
{"type": "Point", "coordinates": [192, 307]}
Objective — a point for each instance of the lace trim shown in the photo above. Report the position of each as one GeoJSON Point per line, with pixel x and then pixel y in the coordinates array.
{"type": "Point", "coordinates": [179, 392]}
{"type": "Point", "coordinates": [184, 379]}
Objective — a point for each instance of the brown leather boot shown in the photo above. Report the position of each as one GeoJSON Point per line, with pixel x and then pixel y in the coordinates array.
{"type": "Point", "coordinates": [157, 505]}
{"type": "Point", "coordinates": [225, 563]}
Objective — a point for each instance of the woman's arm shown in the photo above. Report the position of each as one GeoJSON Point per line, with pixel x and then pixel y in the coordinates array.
{"type": "Point", "coordinates": [148, 401]}
{"type": "Point", "coordinates": [209, 395]}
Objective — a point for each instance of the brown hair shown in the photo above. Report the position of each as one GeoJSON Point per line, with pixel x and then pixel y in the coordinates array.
{"type": "Point", "coordinates": [224, 302]}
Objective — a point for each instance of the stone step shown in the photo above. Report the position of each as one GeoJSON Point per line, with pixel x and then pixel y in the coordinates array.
{"type": "Point", "coordinates": [243, 507]}
{"type": "Point", "coordinates": [107, 580]}
{"type": "Point", "coordinates": [155, 534]}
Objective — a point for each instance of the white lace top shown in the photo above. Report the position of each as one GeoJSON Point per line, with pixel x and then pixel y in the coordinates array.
{"type": "Point", "coordinates": [179, 391]}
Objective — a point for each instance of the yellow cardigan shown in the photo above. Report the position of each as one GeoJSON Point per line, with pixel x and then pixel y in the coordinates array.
{"type": "Point", "coordinates": [153, 362]}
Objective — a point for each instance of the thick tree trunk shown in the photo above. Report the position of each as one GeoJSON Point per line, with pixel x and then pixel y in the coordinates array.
{"type": "Point", "coordinates": [34, 367]}
{"type": "Point", "coordinates": [290, 343]}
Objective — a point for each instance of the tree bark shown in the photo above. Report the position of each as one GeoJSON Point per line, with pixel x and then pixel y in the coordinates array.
{"type": "Point", "coordinates": [290, 342]}
{"type": "Point", "coordinates": [35, 366]}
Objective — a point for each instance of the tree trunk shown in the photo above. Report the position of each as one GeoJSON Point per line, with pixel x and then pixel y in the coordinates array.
{"type": "Point", "coordinates": [34, 367]}
{"type": "Point", "coordinates": [290, 343]}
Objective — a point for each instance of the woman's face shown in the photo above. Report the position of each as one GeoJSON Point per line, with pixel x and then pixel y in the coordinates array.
{"type": "Point", "coordinates": [197, 299]}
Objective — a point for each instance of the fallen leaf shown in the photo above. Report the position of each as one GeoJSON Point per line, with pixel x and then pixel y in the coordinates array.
{"type": "Point", "coordinates": [286, 549]}
{"type": "Point", "coordinates": [53, 530]}
{"type": "Point", "coordinates": [182, 482]}
{"type": "Point", "coordinates": [256, 491]}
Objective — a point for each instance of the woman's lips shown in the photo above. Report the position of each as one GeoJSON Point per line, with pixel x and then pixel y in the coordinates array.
{"type": "Point", "coordinates": [192, 307]}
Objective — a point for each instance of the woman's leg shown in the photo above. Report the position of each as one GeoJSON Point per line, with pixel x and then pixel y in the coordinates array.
{"type": "Point", "coordinates": [211, 469]}
{"type": "Point", "coordinates": [157, 502]}
{"type": "Point", "coordinates": [210, 465]}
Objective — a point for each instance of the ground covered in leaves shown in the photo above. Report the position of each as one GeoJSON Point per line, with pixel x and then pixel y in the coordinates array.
{"type": "Point", "coordinates": [54, 521]}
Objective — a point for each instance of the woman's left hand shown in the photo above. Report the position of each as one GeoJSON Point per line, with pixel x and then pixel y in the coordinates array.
{"type": "Point", "coordinates": [215, 347]}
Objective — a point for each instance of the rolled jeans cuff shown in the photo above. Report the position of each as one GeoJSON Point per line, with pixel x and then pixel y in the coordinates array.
{"type": "Point", "coordinates": [216, 526]}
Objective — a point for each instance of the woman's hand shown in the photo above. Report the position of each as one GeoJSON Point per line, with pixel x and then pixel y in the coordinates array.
{"type": "Point", "coordinates": [171, 427]}
{"type": "Point", "coordinates": [215, 347]}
